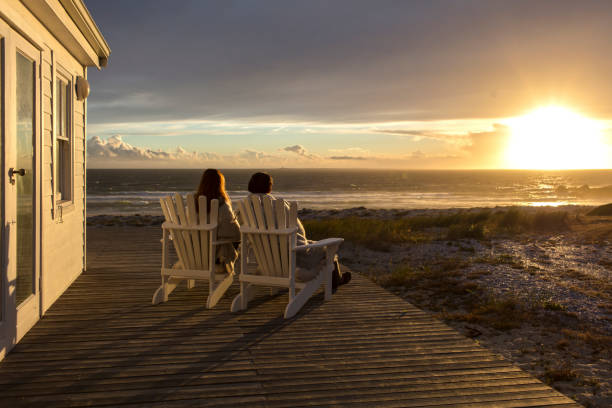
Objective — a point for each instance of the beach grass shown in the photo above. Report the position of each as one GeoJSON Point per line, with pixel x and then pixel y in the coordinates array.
{"type": "Point", "coordinates": [377, 234]}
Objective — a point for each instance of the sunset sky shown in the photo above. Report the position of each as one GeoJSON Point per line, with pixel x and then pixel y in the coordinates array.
{"type": "Point", "coordinates": [370, 84]}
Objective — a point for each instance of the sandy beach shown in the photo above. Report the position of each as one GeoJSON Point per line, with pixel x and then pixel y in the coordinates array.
{"type": "Point", "coordinates": [539, 296]}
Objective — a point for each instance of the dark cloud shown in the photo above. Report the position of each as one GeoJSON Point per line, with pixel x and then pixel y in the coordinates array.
{"type": "Point", "coordinates": [421, 134]}
{"type": "Point", "coordinates": [402, 132]}
{"type": "Point", "coordinates": [347, 158]}
{"type": "Point", "coordinates": [349, 61]}
{"type": "Point", "coordinates": [297, 149]}
{"type": "Point", "coordinates": [300, 151]}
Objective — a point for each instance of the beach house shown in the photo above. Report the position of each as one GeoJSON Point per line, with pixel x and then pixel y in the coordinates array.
{"type": "Point", "coordinates": [46, 47]}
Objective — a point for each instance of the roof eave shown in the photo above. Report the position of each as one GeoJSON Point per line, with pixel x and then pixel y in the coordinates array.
{"type": "Point", "coordinates": [82, 18]}
{"type": "Point", "coordinates": [70, 22]}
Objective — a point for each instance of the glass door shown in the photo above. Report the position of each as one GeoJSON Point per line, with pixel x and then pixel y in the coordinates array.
{"type": "Point", "coordinates": [21, 92]}
{"type": "Point", "coordinates": [23, 178]}
{"type": "Point", "coordinates": [23, 175]}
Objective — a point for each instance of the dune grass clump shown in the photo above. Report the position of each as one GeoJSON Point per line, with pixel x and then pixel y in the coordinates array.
{"type": "Point", "coordinates": [599, 341]}
{"type": "Point", "coordinates": [501, 314]}
{"type": "Point", "coordinates": [511, 220]}
{"type": "Point", "coordinates": [516, 220]}
{"type": "Point", "coordinates": [423, 222]}
{"type": "Point", "coordinates": [560, 373]}
{"type": "Point", "coordinates": [550, 221]}
{"type": "Point", "coordinates": [472, 231]}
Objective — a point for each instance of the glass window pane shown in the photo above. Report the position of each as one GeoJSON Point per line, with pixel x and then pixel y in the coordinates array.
{"type": "Point", "coordinates": [58, 115]}
{"type": "Point", "coordinates": [67, 110]}
{"type": "Point", "coordinates": [57, 170]}
{"type": "Point", "coordinates": [25, 189]}
{"type": "Point", "coordinates": [63, 164]}
{"type": "Point", "coordinates": [62, 110]}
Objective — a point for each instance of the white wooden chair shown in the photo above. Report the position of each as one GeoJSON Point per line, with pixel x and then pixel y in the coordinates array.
{"type": "Point", "coordinates": [194, 236]}
{"type": "Point", "coordinates": [268, 231]}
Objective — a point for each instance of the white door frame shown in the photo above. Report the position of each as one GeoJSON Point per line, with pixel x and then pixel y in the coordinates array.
{"type": "Point", "coordinates": [18, 319]}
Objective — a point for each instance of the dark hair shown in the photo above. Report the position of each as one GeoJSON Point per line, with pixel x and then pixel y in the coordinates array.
{"type": "Point", "coordinates": [260, 183]}
{"type": "Point", "coordinates": [212, 186]}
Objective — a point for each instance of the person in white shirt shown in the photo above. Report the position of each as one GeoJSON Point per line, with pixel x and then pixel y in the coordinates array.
{"type": "Point", "coordinates": [307, 262]}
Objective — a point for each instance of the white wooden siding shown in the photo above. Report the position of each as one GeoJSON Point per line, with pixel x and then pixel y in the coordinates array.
{"type": "Point", "coordinates": [67, 232]}
{"type": "Point", "coordinates": [62, 248]}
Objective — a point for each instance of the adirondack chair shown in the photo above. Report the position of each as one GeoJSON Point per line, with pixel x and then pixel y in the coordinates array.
{"type": "Point", "coordinates": [194, 235]}
{"type": "Point", "coordinates": [268, 233]}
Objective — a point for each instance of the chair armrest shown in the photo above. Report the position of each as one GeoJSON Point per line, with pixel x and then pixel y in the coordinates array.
{"type": "Point", "coordinates": [280, 231]}
{"type": "Point", "coordinates": [197, 227]}
{"type": "Point", "coordinates": [327, 242]}
{"type": "Point", "coordinates": [223, 241]}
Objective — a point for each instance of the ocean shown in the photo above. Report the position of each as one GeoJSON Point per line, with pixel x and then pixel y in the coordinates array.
{"type": "Point", "coordinates": [137, 191]}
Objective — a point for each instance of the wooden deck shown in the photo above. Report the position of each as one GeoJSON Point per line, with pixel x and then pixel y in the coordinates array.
{"type": "Point", "coordinates": [102, 343]}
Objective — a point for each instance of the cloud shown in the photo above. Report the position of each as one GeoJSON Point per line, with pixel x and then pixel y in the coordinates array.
{"type": "Point", "coordinates": [347, 158]}
{"type": "Point", "coordinates": [417, 154]}
{"type": "Point", "coordinates": [300, 151]}
{"type": "Point", "coordinates": [418, 135]}
{"type": "Point", "coordinates": [114, 152]}
{"type": "Point", "coordinates": [116, 149]}
{"type": "Point", "coordinates": [254, 155]}
{"type": "Point", "coordinates": [401, 132]}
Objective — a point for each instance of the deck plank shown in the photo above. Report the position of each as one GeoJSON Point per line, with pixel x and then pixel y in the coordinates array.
{"type": "Point", "coordinates": [102, 343]}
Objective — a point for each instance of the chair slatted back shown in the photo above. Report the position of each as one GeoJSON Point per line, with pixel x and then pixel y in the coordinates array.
{"type": "Point", "coordinates": [193, 247]}
{"type": "Point", "coordinates": [265, 214]}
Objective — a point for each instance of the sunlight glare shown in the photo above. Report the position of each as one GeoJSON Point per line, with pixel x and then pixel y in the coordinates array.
{"type": "Point", "coordinates": [555, 137]}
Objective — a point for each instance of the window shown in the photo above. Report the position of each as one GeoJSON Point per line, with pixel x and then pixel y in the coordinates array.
{"type": "Point", "coordinates": [63, 126]}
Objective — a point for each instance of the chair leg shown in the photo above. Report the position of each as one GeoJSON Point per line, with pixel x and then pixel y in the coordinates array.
{"type": "Point", "coordinates": [190, 283]}
{"type": "Point", "coordinates": [327, 277]}
{"type": "Point", "coordinates": [168, 285]}
{"type": "Point", "coordinates": [302, 297]}
{"type": "Point", "coordinates": [247, 293]}
{"type": "Point", "coordinates": [244, 297]}
{"type": "Point", "coordinates": [158, 296]}
{"type": "Point", "coordinates": [220, 289]}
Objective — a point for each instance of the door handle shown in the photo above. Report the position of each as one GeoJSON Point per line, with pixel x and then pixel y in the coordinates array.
{"type": "Point", "coordinates": [12, 172]}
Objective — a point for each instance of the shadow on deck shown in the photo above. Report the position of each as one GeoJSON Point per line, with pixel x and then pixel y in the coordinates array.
{"type": "Point", "coordinates": [102, 343]}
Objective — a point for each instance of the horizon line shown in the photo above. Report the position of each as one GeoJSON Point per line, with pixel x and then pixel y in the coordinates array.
{"type": "Point", "coordinates": [337, 168]}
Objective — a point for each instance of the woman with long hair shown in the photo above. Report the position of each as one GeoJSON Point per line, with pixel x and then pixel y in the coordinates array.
{"type": "Point", "coordinates": [261, 184]}
{"type": "Point", "coordinates": [212, 186]}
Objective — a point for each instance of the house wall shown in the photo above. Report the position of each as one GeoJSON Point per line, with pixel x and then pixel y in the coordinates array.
{"type": "Point", "coordinates": [62, 237]}
{"type": "Point", "coordinates": [62, 228]}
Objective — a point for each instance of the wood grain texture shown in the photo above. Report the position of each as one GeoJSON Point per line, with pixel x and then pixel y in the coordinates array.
{"type": "Point", "coordinates": [103, 343]}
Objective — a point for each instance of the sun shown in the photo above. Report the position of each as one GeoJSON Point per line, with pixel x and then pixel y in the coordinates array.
{"type": "Point", "coordinates": [554, 137]}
